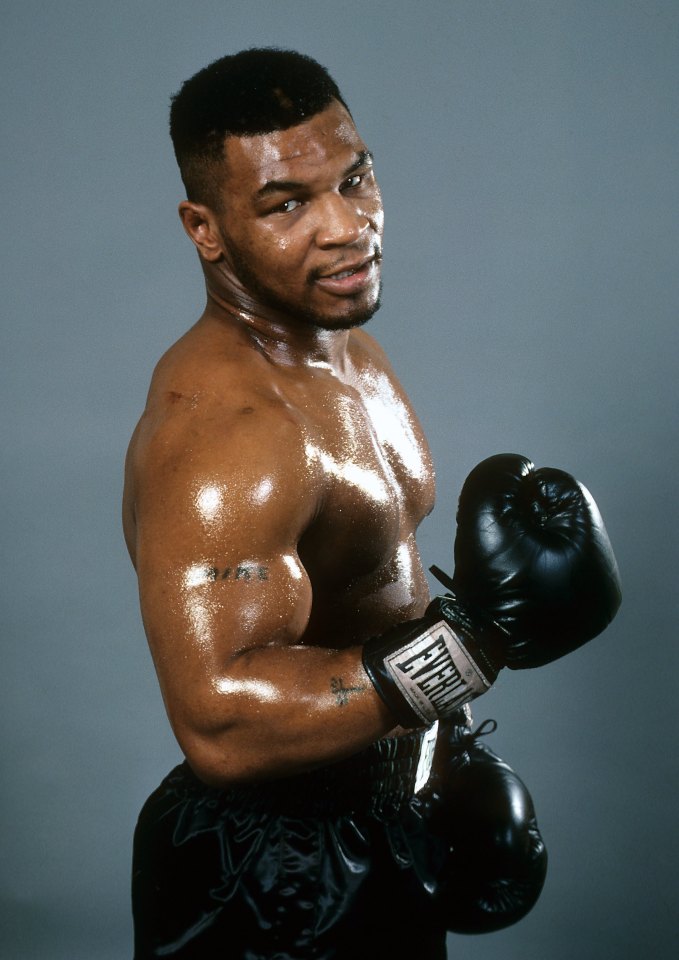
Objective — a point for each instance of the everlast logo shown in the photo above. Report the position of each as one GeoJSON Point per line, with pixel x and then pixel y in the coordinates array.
{"type": "Point", "coordinates": [433, 670]}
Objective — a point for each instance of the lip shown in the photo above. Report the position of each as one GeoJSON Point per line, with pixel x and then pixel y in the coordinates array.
{"type": "Point", "coordinates": [349, 278]}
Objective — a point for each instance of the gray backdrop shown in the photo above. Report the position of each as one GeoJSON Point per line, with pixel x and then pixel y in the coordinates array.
{"type": "Point", "coordinates": [527, 152]}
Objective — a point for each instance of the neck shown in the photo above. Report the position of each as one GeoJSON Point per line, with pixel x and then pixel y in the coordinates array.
{"type": "Point", "coordinates": [282, 337]}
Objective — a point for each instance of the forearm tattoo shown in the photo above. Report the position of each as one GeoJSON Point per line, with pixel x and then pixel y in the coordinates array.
{"type": "Point", "coordinates": [341, 692]}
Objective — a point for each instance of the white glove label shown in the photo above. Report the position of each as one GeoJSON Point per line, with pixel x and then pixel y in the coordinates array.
{"type": "Point", "coordinates": [436, 673]}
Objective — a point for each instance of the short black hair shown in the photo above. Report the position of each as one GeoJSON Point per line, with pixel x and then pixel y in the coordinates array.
{"type": "Point", "coordinates": [256, 91]}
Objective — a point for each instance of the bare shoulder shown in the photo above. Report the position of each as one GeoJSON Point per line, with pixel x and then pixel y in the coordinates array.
{"type": "Point", "coordinates": [216, 427]}
{"type": "Point", "coordinates": [396, 424]}
{"type": "Point", "coordinates": [378, 379]}
{"type": "Point", "coordinates": [365, 348]}
{"type": "Point", "coordinates": [373, 364]}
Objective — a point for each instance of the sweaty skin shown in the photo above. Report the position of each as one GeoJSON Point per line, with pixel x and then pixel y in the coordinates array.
{"type": "Point", "coordinates": [276, 479]}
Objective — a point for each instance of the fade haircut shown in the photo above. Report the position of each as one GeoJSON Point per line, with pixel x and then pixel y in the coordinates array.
{"type": "Point", "coordinates": [256, 91]}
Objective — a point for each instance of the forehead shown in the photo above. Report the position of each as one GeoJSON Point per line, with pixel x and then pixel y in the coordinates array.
{"type": "Point", "coordinates": [322, 146]}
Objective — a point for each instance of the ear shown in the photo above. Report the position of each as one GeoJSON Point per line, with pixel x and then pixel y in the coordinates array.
{"type": "Point", "coordinates": [201, 227]}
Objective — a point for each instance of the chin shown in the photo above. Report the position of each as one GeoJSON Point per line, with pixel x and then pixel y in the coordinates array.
{"type": "Point", "coordinates": [346, 323]}
{"type": "Point", "coordinates": [355, 318]}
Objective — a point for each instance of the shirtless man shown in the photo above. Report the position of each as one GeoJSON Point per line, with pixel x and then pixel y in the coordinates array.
{"type": "Point", "coordinates": [274, 486]}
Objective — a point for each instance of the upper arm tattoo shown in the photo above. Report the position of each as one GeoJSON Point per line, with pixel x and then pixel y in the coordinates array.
{"type": "Point", "coordinates": [245, 571]}
{"type": "Point", "coordinates": [200, 573]}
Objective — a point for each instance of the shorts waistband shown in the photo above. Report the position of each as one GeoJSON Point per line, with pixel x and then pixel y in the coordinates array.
{"type": "Point", "coordinates": [380, 780]}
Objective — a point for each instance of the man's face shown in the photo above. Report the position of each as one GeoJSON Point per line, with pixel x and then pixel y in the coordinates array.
{"type": "Point", "coordinates": [302, 221]}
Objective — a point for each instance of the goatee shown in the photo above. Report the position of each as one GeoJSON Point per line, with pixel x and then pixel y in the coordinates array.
{"type": "Point", "coordinates": [267, 297]}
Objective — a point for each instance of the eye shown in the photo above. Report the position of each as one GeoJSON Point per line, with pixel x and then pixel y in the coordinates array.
{"type": "Point", "coordinates": [287, 206]}
{"type": "Point", "coordinates": [353, 182]}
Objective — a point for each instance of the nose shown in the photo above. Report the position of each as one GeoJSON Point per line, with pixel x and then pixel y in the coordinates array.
{"type": "Point", "coordinates": [340, 222]}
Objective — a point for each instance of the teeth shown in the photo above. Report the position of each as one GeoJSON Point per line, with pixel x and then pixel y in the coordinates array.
{"type": "Point", "coordinates": [345, 273]}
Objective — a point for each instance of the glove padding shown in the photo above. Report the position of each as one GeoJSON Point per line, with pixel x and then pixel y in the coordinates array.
{"type": "Point", "coordinates": [533, 555]}
{"type": "Point", "coordinates": [496, 861]}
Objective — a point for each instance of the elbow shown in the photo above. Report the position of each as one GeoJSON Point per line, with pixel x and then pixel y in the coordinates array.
{"type": "Point", "coordinates": [211, 759]}
{"type": "Point", "coordinates": [221, 758]}
{"type": "Point", "coordinates": [212, 736]}
{"type": "Point", "coordinates": [223, 738]}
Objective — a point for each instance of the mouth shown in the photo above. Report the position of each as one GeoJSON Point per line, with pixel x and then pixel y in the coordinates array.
{"type": "Point", "coordinates": [351, 278]}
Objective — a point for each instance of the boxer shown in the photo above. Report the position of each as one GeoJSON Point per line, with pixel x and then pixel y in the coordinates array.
{"type": "Point", "coordinates": [274, 486]}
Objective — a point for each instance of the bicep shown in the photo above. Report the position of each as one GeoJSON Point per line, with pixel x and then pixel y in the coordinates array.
{"type": "Point", "coordinates": [219, 574]}
{"type": "Point", "coordinates": [210, 606]}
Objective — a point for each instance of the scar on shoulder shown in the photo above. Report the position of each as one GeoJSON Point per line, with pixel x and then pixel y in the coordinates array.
{"type": "Point", "coordinates": [176, 396]}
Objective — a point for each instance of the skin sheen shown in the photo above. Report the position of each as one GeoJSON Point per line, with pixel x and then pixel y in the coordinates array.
{"type": "Point", "coordinates": [277, 477]}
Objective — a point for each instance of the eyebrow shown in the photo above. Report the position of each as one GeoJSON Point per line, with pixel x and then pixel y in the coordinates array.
{"type": "Point", "coordinates": [364, 158]}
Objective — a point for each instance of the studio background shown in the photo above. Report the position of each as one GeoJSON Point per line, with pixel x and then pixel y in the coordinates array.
{"type": "Point", "coordinates": [527, 153]}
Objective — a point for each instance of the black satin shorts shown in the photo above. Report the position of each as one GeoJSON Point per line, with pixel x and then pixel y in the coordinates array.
{"type": "Point", "coordinates": [329, 865]}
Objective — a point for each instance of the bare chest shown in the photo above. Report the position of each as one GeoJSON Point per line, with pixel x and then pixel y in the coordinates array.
{"type": "Point", "coordinates": [375, 480]}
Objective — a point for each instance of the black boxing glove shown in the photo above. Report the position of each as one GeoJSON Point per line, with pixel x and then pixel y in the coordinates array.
{"type": "Point", "coordinates": [535, 578]}
{"type": "Point", "coordinates": [533, 555]}
{"type": "Point", "coordinates": [495, 861]}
